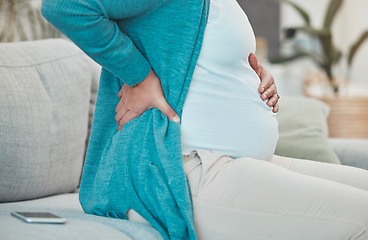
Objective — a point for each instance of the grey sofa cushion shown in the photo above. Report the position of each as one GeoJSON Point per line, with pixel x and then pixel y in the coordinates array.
{"type": "Point", "coordinates": [44, 106]}
{"type": "Point", "coordinates": [303, 130]}
{"type": "Point", "coordinates": [351, 152]}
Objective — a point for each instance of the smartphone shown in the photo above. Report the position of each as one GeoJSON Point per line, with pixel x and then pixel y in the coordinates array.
{"type": "Point", "coordinates": [38, 217]}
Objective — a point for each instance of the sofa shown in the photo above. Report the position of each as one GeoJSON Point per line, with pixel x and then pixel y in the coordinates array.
{"type": "Point", "coordinates": [48, 89]}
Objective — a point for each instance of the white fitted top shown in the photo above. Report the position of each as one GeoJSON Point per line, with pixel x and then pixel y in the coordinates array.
{"type": "Point", "coordinates": [223, 111]}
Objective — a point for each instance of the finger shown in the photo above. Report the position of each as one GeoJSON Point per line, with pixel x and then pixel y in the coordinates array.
{"type": "Point", "coordinates": [273, 101]}
{"type": "Point", "coordinates": [129, 116]}
{"type": "Point", "coordinates": [276, 108]}
{"type": "Point", "coordinates": [119, 106]}
{"type": "Point", "coordinates": [266, 81]}
{"type": "Point", "coordinates": [253, 61]}
{"type": "Point", "coordinates": [120, 114]}
{"type": "Point", "coordinates": [270, 92]}
{"type": "Point", "coordinates": [120, 93]}
{"type": "Point", "coordinates": [167, 110]}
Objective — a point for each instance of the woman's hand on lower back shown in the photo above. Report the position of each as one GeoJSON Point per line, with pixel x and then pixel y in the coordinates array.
{"type": "Point", "coordinates": [136, 100]}
{"type": "Point", "coordinates": [267, 89]}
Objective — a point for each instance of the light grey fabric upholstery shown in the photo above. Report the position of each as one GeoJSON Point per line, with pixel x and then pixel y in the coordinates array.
{"type": "Point", "coordinates": [352, 152]}
{"type": "Point", "coordinates": [44, 107]}
{"type": "Point", "coordinates": [73, 229]}
{"type": "Point", "coordinates": [303, 130]}
{"type": "Point", "coordinates": [67, 206]}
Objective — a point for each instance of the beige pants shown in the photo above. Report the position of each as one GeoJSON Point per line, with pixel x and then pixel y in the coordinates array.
{"type": "Point", "coordinates": [285, 199]}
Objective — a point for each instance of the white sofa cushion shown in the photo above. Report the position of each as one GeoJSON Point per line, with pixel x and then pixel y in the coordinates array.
{"type": "Point", "coordinates": [44, 107]}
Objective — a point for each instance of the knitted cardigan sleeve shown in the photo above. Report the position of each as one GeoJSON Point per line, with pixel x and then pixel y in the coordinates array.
{"type": "Point", "coordinates": [91, 25]}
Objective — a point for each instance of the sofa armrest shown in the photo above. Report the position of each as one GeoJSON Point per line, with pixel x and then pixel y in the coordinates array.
{"type": "Point", "coordinates": [352, 152]}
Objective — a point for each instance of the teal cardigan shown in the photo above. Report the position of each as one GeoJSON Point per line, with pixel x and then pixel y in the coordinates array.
{"type": "Point", "coordinates": [140, 167]}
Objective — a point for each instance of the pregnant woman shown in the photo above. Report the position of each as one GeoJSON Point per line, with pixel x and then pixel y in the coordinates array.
{"type": "Point", "coordinates": [193, 55]}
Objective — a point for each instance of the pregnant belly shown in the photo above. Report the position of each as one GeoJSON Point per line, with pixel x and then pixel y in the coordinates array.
{"type": "Point", "coordinates": [236, 125]}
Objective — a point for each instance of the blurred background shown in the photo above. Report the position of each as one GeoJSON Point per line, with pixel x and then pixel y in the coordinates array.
{"type": "Point", "coordinates": [318, 49]}
{"type": "Point", "coordinates": [21, 20]}
{"type": "Point", "coordinates": [314, 48]}
{"type": "Point", "coordinates": [270, 19]}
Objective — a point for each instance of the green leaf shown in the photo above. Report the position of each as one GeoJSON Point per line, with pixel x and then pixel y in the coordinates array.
{"type": "Point", "coordinates": [311, 31]}
{"type": "Point", "coordinates": [327, 67]}
{"type": "Point", "coordinates": [299, 9]}
{"type": "Point", "coordinates": [337, 56]}
{"type": "Point", "coordinates": [2, 37]}
{"type": "Point", "coordinates": [356, 46]}
{"type": "Point", "coordinates": [327, 47]}
{"type": "Point", "coordinates": [285, 59]}
{"type": "Point", "coordinates": [332, 10]}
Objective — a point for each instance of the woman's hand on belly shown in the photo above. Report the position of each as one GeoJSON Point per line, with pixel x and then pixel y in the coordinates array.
{"type": "Point", "coordinates": [137, 99]}
{"type": "Point", "coordinates": [267, 89]}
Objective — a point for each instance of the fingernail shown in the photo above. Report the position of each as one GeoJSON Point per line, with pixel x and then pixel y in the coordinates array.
{"type": "Point", "coordinates": [176, 119]}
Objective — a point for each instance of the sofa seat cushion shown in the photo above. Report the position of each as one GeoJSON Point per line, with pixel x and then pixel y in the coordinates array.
{"type": "Point", "coordinates": [13, 229]}
{"type": "Point", "coordinates": [67, 206]}
{"type": "Point", "coordinates": [44, 105]}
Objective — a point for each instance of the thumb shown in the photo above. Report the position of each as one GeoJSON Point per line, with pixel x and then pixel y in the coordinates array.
{"type": "Point", "coordinates": [167, 110]}
{"type": "Point", "coordinates": [253, 61]}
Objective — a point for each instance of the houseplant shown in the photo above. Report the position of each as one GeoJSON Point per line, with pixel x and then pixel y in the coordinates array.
{"type": "Point", "coordinates": [329, 55]}
{"type": "Point", "coordinates": [348, 115]}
